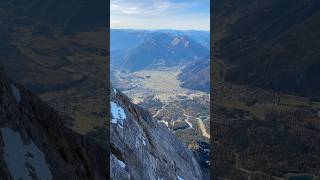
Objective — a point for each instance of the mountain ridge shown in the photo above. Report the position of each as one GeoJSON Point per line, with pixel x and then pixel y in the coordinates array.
{"type": "Point", "coordinates": [164, 49]}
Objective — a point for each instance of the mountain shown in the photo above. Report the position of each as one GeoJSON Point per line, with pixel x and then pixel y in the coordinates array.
{"type": "Point", "coordinates": [264, 124]}
{"type": "Point", "coordinates": [201, 37]}
{"type": "Point", "coordinates": [196, 75]}
{"type": "Point", "coordinates": [270, 44]}
{"type": "Point", "coordinates": [142, 148]}
{"type": "Point", "coordinates": [130, 38]}
{"type": "Point", "coordinates": [122, 41]}
{"type": "Point", "coordinates": [164, 50]}
{"type": "Point", "coordinates": [35, 144]}
{"type": "Point", "coordinates": [73, 16]}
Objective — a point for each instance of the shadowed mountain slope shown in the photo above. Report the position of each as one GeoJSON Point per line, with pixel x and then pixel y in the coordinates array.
{"type": "Point", "coordinates": [270, 44]}
{"type": "Point", "coordinates": [196, 75]}
{"type": "Point", "coordinates": [36, 144]}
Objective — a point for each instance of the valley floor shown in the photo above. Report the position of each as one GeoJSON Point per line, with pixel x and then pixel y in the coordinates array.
{"type": "Point", "coordinates": [182, 110]}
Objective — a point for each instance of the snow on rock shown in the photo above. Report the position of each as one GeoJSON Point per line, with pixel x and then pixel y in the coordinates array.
{"type": "Point", "coordinates": [138, 140]}
{"type": "Point", "coordinates": [121, 163]}
{"type": "Point", "coordinates": [175, 41]}
{"type": "Point", "coordinates": [118, 114]}
{"type": "Point", "coordinates": [164, 122]}
{"type": "Point", "coordinates": [23, 160]}
{"type": "Point", "coordinates": [180, 178]}
{"type": "Point", "coordinates": [16, 93]}
{"type": "Point", "coordinates": [143, 141]}
{"type": "Point", "coordinates": [189, 123]}
{"type": "Point", "coordinates": [114, 90]}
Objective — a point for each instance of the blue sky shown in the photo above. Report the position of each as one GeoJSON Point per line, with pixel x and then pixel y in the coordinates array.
{"type": "Point", "coordinates": [160, 14]}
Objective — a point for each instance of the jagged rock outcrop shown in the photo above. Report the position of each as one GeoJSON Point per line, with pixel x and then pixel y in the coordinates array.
{"type": "Point", "coordinates": [143, 149]}
{"type": "Point", "coordinates": [35, 144]}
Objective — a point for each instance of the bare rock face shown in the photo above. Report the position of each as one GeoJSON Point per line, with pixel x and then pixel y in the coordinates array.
{"type": "Point", "coordinates": [143, 149]}
{"type": "Point", "coordinates": [34, 143]}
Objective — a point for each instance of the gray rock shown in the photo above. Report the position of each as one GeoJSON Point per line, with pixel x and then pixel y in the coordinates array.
{"type": "Point", "coordinates": [50, 149]}
{"type": "Point", "coordinates": [148, 149]}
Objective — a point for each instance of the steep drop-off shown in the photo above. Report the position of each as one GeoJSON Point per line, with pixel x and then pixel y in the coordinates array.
{"type": "Point", "coordinates": [35, 144]}
{"type": "Point", "coordinates": [141, 148]}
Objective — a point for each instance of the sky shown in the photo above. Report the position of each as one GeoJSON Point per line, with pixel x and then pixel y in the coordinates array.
{"type": "Point", "coordinates": [160, 14]}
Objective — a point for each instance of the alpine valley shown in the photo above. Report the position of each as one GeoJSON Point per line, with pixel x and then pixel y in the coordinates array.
{"type": "Point", "coordinates": [166, 72]}
{"type": "Point", "coordinates": [266, 109]}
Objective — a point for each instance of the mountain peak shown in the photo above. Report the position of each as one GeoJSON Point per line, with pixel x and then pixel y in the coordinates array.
{"type": "Point", "coordinates": [164, 49]}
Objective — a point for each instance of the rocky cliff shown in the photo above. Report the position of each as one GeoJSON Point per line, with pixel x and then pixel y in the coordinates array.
{"type": "Point", "coordinates": [143, 149]}
{"type": "Point", "coordinates": [34, 143]}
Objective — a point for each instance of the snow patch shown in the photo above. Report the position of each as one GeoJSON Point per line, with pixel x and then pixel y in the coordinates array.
{"type": "Point", "coordinates": [23, 160]}
{"type": "Point", "coordinates": [118, 114]}
{"type": "Point", "coordinates": [143, 141]}
{"type": "Point", "coordinates": [121, 163]}
{"type": "Point", "coordinates": [175, 41]}
{"type": "Point", "coordinates": [189, 123]}
{"type": "Point", "coordinates": [16, 93]}
{"type": "Point", "coordinates": [180, 178]}
{"type": "Point", "coordinates": [114, 90]}
{"type": "Point", "coordinates": [164, 122]}
{"type": "Point", "coordinates": [138, 141]}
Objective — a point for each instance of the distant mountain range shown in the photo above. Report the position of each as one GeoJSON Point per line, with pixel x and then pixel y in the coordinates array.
{"type": "Point", "coordinates": [270, 44]}
{"type": "Point", "coordinates": [163, 50]}
{"type": "Point", "coordinates": [130, 38]}
{"type": "Point", "coordinates": [138, 49]}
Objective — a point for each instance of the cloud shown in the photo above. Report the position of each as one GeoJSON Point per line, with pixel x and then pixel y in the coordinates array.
{"type": "Point", "coordinates": [160, 14]}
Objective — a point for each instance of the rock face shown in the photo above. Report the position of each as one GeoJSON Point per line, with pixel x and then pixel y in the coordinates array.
{"type": "Point", "coordinates": [143, 149]}
{"type": "Point", "coordinates": [34, 143]}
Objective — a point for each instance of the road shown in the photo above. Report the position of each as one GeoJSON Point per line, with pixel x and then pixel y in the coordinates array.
{"type": "Point", "coordinates": [203, 129]}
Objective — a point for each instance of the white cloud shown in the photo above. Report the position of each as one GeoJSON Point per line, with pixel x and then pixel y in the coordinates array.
{"type": "Point", "coordinates": [158, 14]}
